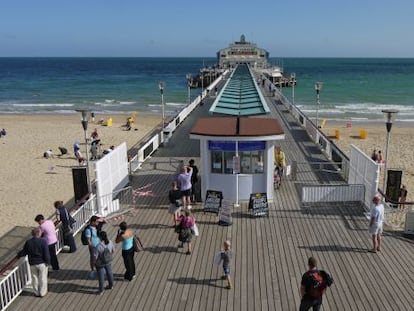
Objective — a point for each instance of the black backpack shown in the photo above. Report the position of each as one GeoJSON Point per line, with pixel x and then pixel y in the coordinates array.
{"type": "Point", "coordinates": [327, 278]}
{"type": "Point", "coordinates": [84, 239]}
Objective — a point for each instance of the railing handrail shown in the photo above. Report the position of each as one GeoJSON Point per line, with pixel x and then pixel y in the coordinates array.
{"type": "Point", "coordinates": [74, 207]}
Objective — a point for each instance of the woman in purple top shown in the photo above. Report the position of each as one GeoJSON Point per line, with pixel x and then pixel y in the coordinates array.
{"type": "Point", "coordinates": [184, 179]}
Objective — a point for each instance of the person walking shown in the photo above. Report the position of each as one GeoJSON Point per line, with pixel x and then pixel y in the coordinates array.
{"type": "Point", "coordinates": [184, 180]}
{"type": "Point", "coordinates": [403, 196]}
{"type": "Point", "coordinates": [175, 198]}
{"type": "Point", "coordinates": [194, 181]}
{"type": "Point", "coordinates": [313, 286]}
{"type": "Point", "coordinates": [225, 257]}
{"type": "Point", "coordinates": [126, 236]}
{"type": "Point", "coordinates": [48, 229]}
{"type": "Point", "coordinates": [67, 221]}
{"type": "Point", "coordinates": [376, 223]}
{"type": "Point", "coordinates": [279, 162]}
{"type": "Point", "coordinates": [103, 253]}
{"type": "Point", "coordinates": [185, 234]}
{"type": "Point", "coordinates": [37, 251]}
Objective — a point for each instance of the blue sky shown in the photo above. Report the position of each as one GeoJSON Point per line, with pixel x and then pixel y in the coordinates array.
{"type": "Point", "coordinates": [181, 28]}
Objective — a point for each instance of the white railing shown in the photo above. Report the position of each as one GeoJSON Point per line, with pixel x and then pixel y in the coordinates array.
{"type": "Point", "coordinates": [331, 151]}
{"type": "Point", "coordinates": [332, 193]}
{"type": "Point", "coordinates": [18, 276]}
{"type": "Point", "coordinates": [12, 285]}
{"type": "Point", "coordinates": [162, 136]}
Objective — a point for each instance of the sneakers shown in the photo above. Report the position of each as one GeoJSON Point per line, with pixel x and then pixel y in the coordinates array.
{"type": "Point", "coordinates": [188, 253]}
{"type": "Point", "coordinates": [189, 207]}
{"type": "Point", "coordinates": [108, 287]}
{"type": "Point", "coordinates": [229, 286]}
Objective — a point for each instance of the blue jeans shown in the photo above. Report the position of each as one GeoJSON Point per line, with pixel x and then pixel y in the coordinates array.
{"type": "Point", "coordinates": [101, 276]}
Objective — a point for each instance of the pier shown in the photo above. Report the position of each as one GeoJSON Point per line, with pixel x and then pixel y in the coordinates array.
{"type": "Point", "coordinates": [269, 253]}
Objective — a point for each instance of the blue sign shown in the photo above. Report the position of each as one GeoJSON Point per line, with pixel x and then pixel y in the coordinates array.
{"type": "Point", "coordinates": [231, 145]}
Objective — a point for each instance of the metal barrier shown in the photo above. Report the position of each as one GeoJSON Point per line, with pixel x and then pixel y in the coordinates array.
{"type": "Point", "coordinates": [117, 201]}
{"type": "Point", "coordinates": [332, 193]}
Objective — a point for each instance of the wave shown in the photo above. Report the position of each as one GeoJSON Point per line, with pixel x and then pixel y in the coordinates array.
{"type": "Point", "coordinates": [42, 105]}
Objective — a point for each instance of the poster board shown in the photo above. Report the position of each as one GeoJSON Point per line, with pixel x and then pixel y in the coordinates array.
{"type": "Point", "coordinates": [258, 204]}
{"type": "Point", "coordinates": [225, 218]}
{"type": "Point", "coordinates": [213, 201]}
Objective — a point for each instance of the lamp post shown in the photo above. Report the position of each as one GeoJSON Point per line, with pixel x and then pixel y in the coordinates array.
{"type": "Point", "coordinates": [188, 76]}
{"type": "Point", "coordinates": [389, 115]}
{"type": "Point", "coordinates": [84, 121]}
{"type": "Point", "coordinates": [161, 86]}
{"type": "Point", "coordinates": [292, 79]}
{"type": "Point", "coordinates": [318, 87]}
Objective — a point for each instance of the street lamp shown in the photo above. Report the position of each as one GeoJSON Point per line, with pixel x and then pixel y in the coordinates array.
{"type": "Point", "coordinates": [292, 80]}
{"type": "Point", "coordinates": [161, 86]}
{"type": "Point", "coordinates": [84, 121]}
{"type": "Point", "coordinates": [389, 115]}
{"type": "Point", "coordinates": [318, 87]}
{"type": "Point", "coordinates": [188, 76]}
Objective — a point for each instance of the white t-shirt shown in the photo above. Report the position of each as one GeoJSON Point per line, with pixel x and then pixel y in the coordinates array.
{"type": "Point", "coordinates": [377, 212]}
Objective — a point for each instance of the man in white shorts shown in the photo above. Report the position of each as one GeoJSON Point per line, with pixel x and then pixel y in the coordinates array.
{"type": "Point", "coordinates": [375, 224]}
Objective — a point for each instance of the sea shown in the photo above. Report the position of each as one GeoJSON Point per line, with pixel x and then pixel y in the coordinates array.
{"type": "Point", "coordinates": [352, 88]}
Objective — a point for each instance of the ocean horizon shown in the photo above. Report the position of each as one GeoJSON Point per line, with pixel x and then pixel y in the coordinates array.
{"type": "Point", "coordinates": [353, 88]}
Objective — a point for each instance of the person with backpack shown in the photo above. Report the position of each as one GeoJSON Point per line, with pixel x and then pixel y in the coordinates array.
{"type": "Point", "coordinates": [313, 286]}
{"type": "Point", "coordinates": [90, 237]}
{"type": "Point", "coordinates": [102, 256]}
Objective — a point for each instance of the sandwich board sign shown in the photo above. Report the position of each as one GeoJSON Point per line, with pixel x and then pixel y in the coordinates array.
{"type": "Point", "coordinates": [225, 214]}
{"type": "Point", "coordinates": [213, 200]}
{"type": "Point", "coordinates": [258, 204]}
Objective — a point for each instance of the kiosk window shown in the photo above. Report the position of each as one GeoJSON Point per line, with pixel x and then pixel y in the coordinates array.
{"type": "Point", "coordinates": [251, 162]}
{"type": "Point", "coordinates": [217, 162]}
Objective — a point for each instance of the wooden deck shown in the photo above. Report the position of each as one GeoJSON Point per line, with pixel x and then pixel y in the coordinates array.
{"type": "Point", "coordinates": [270, 253]}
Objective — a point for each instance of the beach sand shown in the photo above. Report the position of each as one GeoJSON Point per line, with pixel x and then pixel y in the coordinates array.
{"type": "Point", "coordinates": [29, 183]}
{"type": "Point", "coordinates": [401, 153]}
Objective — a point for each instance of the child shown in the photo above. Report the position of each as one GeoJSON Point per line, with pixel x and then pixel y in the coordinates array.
{"type": "Point", "coordinates": [226, 255]}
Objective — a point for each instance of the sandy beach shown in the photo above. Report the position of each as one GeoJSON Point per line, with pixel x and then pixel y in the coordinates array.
{"type": "Point", "coordinates": [29, 183]}
{"type": "Point", "coordinates": [401, 154]}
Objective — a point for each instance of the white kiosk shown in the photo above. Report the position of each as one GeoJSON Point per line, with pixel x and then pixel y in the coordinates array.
{"type": "Point", "coordinates": [237, 155]}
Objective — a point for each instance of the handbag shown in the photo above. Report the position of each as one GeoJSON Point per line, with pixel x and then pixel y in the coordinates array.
{"type": "Point", "coordinates": [194, 230]}
{"type": "Point", "coordinates": [137, 245]}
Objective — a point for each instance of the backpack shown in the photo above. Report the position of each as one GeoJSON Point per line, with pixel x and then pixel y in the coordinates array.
{"type": "Point", "coordinates": [316, 284]}
{"type": "Point", "coordinates": [106, 256]}
{"type": "Point", "coordinates": [84, 239]}
{"type": "Point", "coordinates": [327, 278]}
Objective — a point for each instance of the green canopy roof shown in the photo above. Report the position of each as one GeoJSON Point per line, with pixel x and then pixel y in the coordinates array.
{"type": "Point", "coordinates": [240, 96]}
